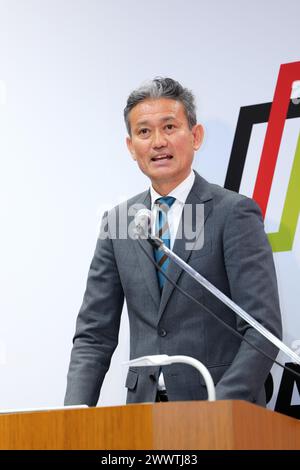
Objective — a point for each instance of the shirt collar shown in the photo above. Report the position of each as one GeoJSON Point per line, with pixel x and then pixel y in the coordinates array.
{"type": "Point", "coordinates": [180, 192]}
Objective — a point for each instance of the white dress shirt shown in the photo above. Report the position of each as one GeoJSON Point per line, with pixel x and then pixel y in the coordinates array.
{"type": "Point", "coordinates": [180, 193]}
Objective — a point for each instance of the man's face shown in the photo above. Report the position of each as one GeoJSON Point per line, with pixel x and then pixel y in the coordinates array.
{"type": "Point", "coordinates": [161, 141]}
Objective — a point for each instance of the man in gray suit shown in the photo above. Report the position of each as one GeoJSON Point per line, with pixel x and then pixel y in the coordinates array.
{"type": "Point", "coordinates": [235, 256]}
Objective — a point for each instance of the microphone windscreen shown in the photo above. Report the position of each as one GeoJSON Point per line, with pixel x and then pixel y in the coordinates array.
{"type": "Point", "coordinates": [143, 221]}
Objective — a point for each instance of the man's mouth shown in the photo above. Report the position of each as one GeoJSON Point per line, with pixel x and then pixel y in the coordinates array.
{"type": "Point", "coordinates": [158, 158]}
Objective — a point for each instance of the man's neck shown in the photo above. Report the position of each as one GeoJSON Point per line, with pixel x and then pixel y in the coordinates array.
{"type": "Point", "coordinates": [165, 187]}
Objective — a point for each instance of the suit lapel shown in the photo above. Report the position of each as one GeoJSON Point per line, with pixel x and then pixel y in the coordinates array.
{"type": "Point", "coordinates": [199, 194]}
{"type": "Point", "coordinates": [148, 269]}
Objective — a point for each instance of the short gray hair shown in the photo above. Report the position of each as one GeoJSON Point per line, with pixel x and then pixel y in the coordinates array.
{"type": "Point", "coordinates": [162, 87]}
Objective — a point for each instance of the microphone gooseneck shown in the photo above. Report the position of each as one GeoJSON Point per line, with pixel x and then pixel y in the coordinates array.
{"type": "Point", "coordinates": [159, 243]}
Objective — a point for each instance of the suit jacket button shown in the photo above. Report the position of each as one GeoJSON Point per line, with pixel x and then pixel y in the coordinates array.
{"type": "Point", "coordinates": [162, 332]}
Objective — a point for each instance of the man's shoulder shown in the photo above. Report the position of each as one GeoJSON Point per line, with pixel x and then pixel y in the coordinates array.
{"type": "Point", "coordinates": [224, 197]}
{"type": "Point", "coordinates": [139, 199]}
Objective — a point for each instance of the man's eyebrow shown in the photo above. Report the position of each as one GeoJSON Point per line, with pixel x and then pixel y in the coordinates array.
{"type": "Point", "coordinates": [163, 119]}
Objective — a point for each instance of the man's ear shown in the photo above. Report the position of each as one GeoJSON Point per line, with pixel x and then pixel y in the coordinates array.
{"type": "Point", "coordinates": [130, 148]}
{"type": "Point", "coordinates": [198, 135]}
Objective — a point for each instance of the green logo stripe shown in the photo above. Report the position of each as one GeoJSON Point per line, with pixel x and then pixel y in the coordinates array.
{"type": "Point", "coordinates": [284, 238]}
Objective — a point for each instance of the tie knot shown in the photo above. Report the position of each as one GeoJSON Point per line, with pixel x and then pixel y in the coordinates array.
{"type": "Point", "coordinates": [165, 202]}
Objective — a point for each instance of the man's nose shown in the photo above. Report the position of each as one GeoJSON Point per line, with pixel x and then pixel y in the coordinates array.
{"type": "Point", "coordinates": [159, 140]}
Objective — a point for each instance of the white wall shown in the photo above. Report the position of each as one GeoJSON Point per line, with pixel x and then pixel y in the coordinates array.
{"type": "Point", "coordinates": [66, 69]}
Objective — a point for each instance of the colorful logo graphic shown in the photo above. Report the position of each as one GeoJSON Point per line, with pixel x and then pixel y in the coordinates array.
{"type": "Point", "coordinates": [275, 114]}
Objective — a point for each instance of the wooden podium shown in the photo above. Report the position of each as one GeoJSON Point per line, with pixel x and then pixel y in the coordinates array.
{"type": "Point", "coordinates": [175, 425]}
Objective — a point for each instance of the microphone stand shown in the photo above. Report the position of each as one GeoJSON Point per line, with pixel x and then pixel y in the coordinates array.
{"type": "Point", "coordinates": [158, 244]}
{"type": "Point", "coordinates": [164, 359]}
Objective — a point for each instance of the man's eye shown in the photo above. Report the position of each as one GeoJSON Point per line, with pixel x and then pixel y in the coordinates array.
{"type": "Point", "coordinates": [143, 131]}
{"type": "Point", "coordinates": [169, 127]}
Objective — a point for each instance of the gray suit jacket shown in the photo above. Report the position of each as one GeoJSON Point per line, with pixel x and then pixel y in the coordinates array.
{"type": "Point", "coordinates": [235, 257]}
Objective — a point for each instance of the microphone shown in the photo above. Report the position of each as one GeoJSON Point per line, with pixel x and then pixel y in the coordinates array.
{"type": "Point", "coordinates": [143, 222]}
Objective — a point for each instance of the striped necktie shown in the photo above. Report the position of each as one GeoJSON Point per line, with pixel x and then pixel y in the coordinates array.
{"type": "Point", "coordinates": [162, 231]}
